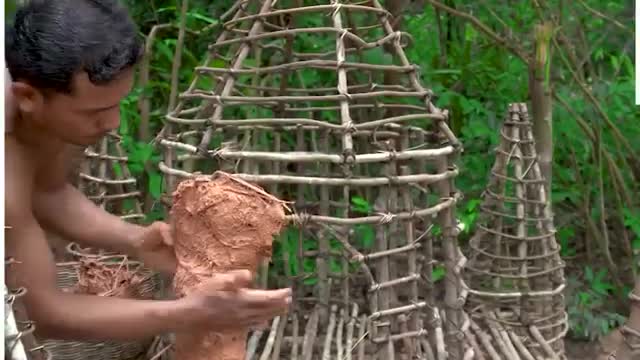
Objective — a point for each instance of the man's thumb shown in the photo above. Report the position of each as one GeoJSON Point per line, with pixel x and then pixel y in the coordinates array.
{"type": "Point", "coordinates": [241, 278]}
{"type": "Point", "coordinates": [167, 233]}
{"type": "Point", "coordinates": [229, 281]}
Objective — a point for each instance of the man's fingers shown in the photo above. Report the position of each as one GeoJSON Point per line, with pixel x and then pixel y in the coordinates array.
{"type": "Point", "coordinates": [266, 299]}
{"type": "Point", "coordinates": [265, 315]}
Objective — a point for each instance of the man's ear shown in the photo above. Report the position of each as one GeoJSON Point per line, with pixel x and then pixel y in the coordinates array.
{"type": "Point", "coordinates": [27, 98]}
{"type": "Point", "coordinates": [9, 100]}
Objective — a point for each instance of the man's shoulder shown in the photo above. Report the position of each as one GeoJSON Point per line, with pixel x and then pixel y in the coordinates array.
{"type": "Point", "coordinates": [18, 157]}
{"type": "Point", "coordinates": [43, 168]}
{"type": "Point", "coordinates": [19, 168]}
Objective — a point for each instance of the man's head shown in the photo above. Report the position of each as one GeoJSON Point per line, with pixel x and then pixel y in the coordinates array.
{"type": "Point", "coordinates": [72, 63]}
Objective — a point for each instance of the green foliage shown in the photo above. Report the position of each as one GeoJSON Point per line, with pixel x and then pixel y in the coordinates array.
{"type": "Point", "coordinates": [588, 317]}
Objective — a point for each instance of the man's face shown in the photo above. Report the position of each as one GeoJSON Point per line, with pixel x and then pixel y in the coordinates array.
{"type": "Point", "coordinates": [88, 113]}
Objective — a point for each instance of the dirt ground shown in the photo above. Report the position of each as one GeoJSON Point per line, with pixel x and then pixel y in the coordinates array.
{"type": "Point", "coordinates": [581, 350]}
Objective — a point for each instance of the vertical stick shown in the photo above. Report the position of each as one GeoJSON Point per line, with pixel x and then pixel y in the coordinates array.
{"type": "Point", "coordinates": [323, 241]}
{"type": "Point", "coordinates": [173, 96]}
{"type": "Point", "coordinates": [393, 226]}
{"type": "Point", "coordinates": [300, 202]}
{"type": "Point", "coordinates": [295, 336]}
{"type": "Point", "coordinates": [350, 329]}
{"type": "Point", "coordinates": [345, 262]}
{"type": "Point", "coordinates": [382, 276]}
{"type": "Point", "coordinates": [540, 91]}
{"type": "Point", "coordinates": [410, 238]}
{"type": "Point", "coordinates": [412, 263]}
{"type": "Point", "coordinates": [521, 230]}
{"type": "Point", "coordinates": [102, 171]}
{"type": "Point", "coordinates": [279, 336]}
{"type": "Point", "coordinates": [445, 219]}
{"type": "Point", "coordinates": [347, 142]}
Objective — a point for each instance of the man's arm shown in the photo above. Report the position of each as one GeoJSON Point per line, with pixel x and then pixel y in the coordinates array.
{"type": "Point", "coordinates": [222, 301]}
{"type": "Point", "coordinates": [68, 212]}
{"type": "Point", "coordinates": [65, 210]}
{"type": "Point", "coordinates": [58, 314]}
{"type": "Point", "coordinates": [72, 316]}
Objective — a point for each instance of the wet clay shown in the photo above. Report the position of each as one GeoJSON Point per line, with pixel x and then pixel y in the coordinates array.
{"type": "Point", "coordinates": [96, 278]}
{"type": "Point", "coordinates": [221, 224]}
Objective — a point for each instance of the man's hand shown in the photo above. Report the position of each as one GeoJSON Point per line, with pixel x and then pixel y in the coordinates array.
{"type": "Point", "coordinates": [154, 247]}
{"type": "Point", "coordinates": [227, 301]}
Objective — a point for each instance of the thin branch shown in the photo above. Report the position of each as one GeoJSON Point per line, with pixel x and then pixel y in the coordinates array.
{"type": "Point", "coordinates": [616, 132]}
{"type": "Point", "coordinates": [177, 57]}
{"type": "Point", "coordinates": [606, 17]}
{"type": "Point", "coordinates": [483, 28]}
{"type": "Point", "coordinates": [144, 102]}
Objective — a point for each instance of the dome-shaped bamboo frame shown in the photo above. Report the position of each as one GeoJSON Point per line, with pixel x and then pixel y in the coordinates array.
{"type": "Point", "coordinates": [366, 158]}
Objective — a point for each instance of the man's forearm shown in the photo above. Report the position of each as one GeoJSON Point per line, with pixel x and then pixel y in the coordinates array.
{"type": "Point", "coordinates": [84, 317]}
{"type": "Point", "coordinates": [68, 212]}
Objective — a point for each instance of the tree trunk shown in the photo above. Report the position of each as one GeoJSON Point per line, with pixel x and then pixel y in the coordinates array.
{"type": "Point", "coordinates": [541, 102]}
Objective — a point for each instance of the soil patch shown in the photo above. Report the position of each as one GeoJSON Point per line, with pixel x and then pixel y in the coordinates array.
{"type": "Point", "coordinates": [581, 350]}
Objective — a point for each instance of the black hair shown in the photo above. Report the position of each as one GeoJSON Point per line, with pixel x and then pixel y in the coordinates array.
{"type": "Point", "coordinates": [52, 40]}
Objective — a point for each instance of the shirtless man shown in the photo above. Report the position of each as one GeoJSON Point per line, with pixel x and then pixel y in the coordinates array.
{"type": "Point", "coordinates": [72, 63]}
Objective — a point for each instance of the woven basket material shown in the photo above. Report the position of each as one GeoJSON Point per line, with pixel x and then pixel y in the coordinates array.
{"type": "Point", "coordinates": [100, 350]}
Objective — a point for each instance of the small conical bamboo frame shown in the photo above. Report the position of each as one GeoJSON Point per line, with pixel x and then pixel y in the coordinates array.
{"type": "Point", "coordinates": [515, 275]}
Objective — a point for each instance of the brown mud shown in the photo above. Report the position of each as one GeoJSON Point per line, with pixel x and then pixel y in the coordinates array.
{"type": "Point", "coordinates": [221, 224]}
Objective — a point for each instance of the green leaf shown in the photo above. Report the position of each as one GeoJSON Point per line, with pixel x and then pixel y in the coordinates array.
{"type": "Point", "coordinates": [155, 185]}
{"type": "Point", "coordinates": [165, 50]}
{"type": "Point", "coordinates": [614, 62]}
{"type": "Point", "coordinates": [290, 244]}
{"type": "Point", "coordinates": [218, 63]}
{"type": "Point", "coordinates": [154, 215]}
{"type": "Point", "coordinates": [472, 205]}
{"type": "Point", "coordinates": [564, 235]}
{"type": "Point", "coordinates": [584, 298]}
{"type": "Point", "coordinates": [360, 205]}
{"type": "Point", "coordinates": [203, 18]}
{"type": "Point", "coordinates": [334, 266]}
{"type": "Point", "coordinates": [310, 281]}
{"type": "Point", "coordinates": [365, 235]}
{"type": "Point", "coordinates": [141, 153]}
{"type": "Point", "coordinates": [334, 244]}
{"type": "Point", "coordinates": [445, 72]}
{"type": "Point", "coordinates": [128, 204]}
{"type": "Point", "coordinates": [309, 265]}
{"type": "Point", "coordinates": [117, 168]}
{"type": "Point", "coordinates": [166, 9]}
{"type": "Point", "coordinates": [438, 273]}
{"type": "Point", "coordinates": [588, 274]}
